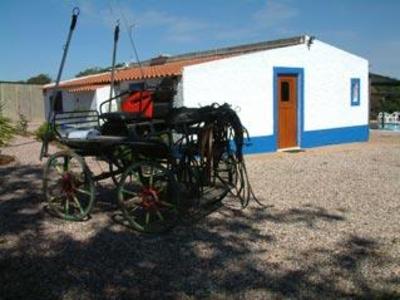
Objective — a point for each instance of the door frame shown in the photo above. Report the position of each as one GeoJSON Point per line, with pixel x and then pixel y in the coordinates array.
{"type": "Point", "coordinates": [299, 73]}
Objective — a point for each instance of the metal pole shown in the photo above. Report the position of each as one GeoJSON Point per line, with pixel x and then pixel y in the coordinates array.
{"type": "Point", "coordinates": [45, 143]}
{"type": "Point", "coordinates": [116, 36]}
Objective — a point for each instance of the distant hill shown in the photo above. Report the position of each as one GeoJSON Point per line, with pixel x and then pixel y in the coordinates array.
{"type": "Point", "coordinates": [385, 94]}
{"type": "Point", "coordinates": [377, 79]}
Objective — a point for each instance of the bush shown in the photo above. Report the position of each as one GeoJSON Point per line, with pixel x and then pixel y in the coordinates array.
{"type": "Point", "coordinates": [6, 129]}
{"type": "Point", "coordinates": [22, 125]}
{"type": "Point", "coordinates": [40, 133]}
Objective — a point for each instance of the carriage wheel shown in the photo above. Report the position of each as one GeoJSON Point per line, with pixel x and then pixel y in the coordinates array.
{"type": "Point", "coordinates": [68, 186]}
{"type": "Point", "coordinates": [148, 197]}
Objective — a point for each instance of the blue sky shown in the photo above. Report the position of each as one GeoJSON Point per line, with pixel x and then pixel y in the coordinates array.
{"type": "Point", "coordinates": [33, 32]}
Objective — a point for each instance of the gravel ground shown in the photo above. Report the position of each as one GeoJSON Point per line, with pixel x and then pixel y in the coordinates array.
{"type": "Point", "coordinates": [332, 231]}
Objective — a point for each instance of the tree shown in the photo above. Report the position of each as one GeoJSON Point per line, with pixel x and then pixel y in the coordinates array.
{"type": "Point", "coordinates": [90, 71]}
{"type": "Point", "coordinates": [39, 79]}
{"type": "Point", "coordinates": [96, 70]}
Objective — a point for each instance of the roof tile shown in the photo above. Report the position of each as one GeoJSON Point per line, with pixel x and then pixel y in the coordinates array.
{"type": "Point", "coordinates": [90, 83]}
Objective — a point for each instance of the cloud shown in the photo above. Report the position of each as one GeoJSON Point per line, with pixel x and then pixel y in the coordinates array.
{"type": "Point", "coordinates": [177, 28]}
{"type": "Point", "coordinates": [275, 12]}
{"type": "Point", "coordinates": [271, 19]}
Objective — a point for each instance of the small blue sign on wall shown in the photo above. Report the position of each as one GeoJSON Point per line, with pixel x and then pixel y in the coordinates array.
{"type": "Point", "coordinates": [355, 91]}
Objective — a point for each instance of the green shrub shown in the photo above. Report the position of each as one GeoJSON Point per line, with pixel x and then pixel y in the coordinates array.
{"type": "Point", "coordinates": [42, 130]}
{"type": "Point", "coordinates": [22, 125]}
{"type": "Point", "coordinates": [6, 129]}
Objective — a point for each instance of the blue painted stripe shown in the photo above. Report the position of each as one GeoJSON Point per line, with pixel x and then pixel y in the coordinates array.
{"type": "Point", "coordinates": [315, 138]}
{"type": "Point", "coordinates": [259, 144]}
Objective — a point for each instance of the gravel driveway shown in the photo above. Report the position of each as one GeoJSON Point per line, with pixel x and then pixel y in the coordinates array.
{"type": "Point", "coordinates": [332, 232]}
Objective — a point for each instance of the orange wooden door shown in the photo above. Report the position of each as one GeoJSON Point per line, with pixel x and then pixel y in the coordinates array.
{"type": "Point", "coordinates": [287, 111]}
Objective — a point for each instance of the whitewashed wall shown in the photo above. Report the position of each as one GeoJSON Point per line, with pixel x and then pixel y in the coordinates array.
{"type": "Point", "coordinates": [81, 101]}
{"type": "Point", "coordinates": [73, 101]}
{"type": "Point", "coordinates": [103, 94]}
{"type": "Point", "coordinates": [246, 81]}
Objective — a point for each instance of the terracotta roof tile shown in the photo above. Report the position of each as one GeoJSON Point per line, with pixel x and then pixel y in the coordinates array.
{"type": "Point", "coordinates": [89, 83]}
{"type": "Point", "coordinates": [84, 88]}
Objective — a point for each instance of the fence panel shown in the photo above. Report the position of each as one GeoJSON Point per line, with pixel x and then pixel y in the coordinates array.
{"type": "Point", "coordinates": [26, 99]}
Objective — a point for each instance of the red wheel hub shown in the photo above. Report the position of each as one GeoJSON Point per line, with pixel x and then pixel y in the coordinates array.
{"type": "Point", "coordinates": [67, 182]}
{"type": "Point", "coordinates": [150, 200]}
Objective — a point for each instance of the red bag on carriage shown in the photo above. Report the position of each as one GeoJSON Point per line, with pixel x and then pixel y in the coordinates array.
{"type": "Point", "coordinates": [139, 102]}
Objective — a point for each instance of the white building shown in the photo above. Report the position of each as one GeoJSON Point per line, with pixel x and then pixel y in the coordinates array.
{"type": "Point", "coordinates": [292, 93]}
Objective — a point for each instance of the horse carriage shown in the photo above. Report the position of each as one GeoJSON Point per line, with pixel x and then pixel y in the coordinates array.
{"type": "Point", "coordinates": [162, 160]}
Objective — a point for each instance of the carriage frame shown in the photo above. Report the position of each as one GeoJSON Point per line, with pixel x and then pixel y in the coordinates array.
{"type": "Point", "coordinates": [161, 168]}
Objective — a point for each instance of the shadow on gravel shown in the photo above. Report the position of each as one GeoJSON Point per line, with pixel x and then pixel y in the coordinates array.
{"type": "Point", "coordinates": [307, 215]}
{"type": "Point", "coordinates": [20, 192]}
{"type": "Point", "coordinates": [216, 257]}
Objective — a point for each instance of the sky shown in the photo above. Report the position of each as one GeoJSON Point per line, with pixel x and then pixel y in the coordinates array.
{"type": "Point", "coordinates": [33, 32]}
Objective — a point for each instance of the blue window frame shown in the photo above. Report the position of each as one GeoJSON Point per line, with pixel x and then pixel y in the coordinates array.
{"type": "Point", "coordinates": [136, 87]}
{"type": "Point", "coordinates": [355, 91]}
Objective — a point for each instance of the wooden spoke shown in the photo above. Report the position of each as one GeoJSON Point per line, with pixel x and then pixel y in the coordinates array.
{"type": "Point", "coordinates": [135, 201]}
{"type": "Point", "coordinates": [59, 169]}
{"type": "Point", "coordinates": [82, 191]}
{"type": "Point", "coordinates": [159, 215]}
{"type": "Point", "coordinates": [66, 163]}
{"type": "Point", "coordinates": [166, 203]}
{"type": "Point", "coordinates": [133, 208]}
{"type": "Point", "coordinates": [129, 192]}
{"type": "Point", "coordinates": [55, 198]}
{"type": "Point", "coordinates": [160, 184]}
{"type": "Point", "coordinates": [78, 205]}
{"type": "Point", "coordinates": [139, 227]}
{"type": "Point", "coordinates": [151, 177]}
{"type": "Point", "coordinates": [66, 205]}
{"type": "Point", "coordinates": [161, 190]}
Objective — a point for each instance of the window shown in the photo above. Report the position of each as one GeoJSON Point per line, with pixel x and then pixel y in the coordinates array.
{"type": "Point", "coordinates": [355, 91]}
{"type": "Point", "coordinates": [285, 91]}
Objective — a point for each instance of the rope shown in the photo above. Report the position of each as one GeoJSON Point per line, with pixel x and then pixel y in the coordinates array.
{"type": "Point", "coordinates": [129, 31]}
{"type": "Point", "coordinates": [243, 189]}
